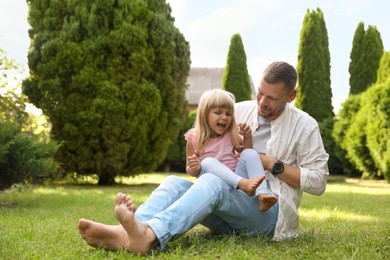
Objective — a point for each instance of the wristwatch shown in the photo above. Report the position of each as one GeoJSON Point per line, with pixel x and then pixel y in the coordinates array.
{"type": "Point", "coordinates": [278, 168]}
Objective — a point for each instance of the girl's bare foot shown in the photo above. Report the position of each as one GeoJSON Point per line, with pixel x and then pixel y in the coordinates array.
{"type": "Point", "coordinates": [103, 236]}
{"type": "Point", "coordinates": [249, 186]}
{"type": "Point", "coordinates": [140, 236]}
{"type": "Point", "coordinates": [266, 201]}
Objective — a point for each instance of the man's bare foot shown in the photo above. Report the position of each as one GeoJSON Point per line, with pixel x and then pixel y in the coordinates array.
{"type": "Point", "coordinates": [140, 236]}
{"type": "Point", "coordinates": [266, 201]}
{"type": "Point", "coordinates": [249, 186]}
{"type": "Point", "coordinates": [103, 236]}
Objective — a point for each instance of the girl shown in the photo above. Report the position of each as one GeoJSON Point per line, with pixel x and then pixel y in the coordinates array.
{"type": "Point", "coordinates": [217, 145]}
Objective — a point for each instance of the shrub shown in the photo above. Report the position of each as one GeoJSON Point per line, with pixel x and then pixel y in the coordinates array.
{"type": "Point", "coordinates": [24, 156]}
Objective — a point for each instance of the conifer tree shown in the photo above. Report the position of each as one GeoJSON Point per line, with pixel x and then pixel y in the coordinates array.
{"type": "Point", "coordinates": [314, 94]}
{"type": "Point", "coordinates": [355, 68]}
{"type": "Point", "coordinates": [110, 75]}
{"type": "Point", "coordinates": [235, 77]}
{"type": "Point", "coordinates": [384, 68]}
{"type": "Point", "coordinates": [365, 57]}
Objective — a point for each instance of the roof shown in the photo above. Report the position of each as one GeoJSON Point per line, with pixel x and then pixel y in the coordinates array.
{"type": "Point", "coordinates": [202, 79]}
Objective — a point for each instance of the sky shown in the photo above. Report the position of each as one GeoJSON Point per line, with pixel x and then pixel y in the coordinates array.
{"type": "Point", "coordinates": [270, 31]}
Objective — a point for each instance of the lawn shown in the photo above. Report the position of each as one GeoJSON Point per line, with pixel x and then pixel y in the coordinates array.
{"type": "Point", "coordinates": [350, 221]}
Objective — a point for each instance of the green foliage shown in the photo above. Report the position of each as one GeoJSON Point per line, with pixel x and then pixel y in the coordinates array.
{"type": "Point", "coordinates": [12, 101]}
{"type": "Point", "coordinates": [342, 125]}
{"type": "Point", "coordinates": [384, 68]}
{"type": "Point", "coordinates": [314, 94]}
{"type": "Point", "coordinates": [335, 162]}
{"type": "Point", "coordinates": [356, 144]}
{"type": "Point", "coordinates": [377, 110]}
{"type": "Point", "coordinates": [110, 75]}
{"type": "Point", "coordinates": [367, 50]}
{"type": "Point", "coordinates": [235, 76]}
{"type": "Point", "coordinates": [363, 131]}
{"type": "Point", "coordinates": [176, 157]}
{"type": "Point", "coordinates": [355, 67]}
{"type": "Point", "coordinates": [23, 156]}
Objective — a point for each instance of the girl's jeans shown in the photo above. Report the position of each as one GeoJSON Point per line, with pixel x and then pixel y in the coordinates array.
{"type": "Point", "coordinates": [178, 204]}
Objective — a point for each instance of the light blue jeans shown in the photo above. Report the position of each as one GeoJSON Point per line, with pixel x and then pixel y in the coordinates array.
{"type": "Point", "coordinates": [249, 166]}
{"type": "Point", "coordinates": [177, 205]}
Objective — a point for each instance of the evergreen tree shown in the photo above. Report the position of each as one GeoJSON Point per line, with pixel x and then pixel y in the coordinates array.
{"type": "Point", "coordinates": [110, 75]}
{"type": "Point", "coordinates": [235, 76]}
{"type": "Point", "coordinates": [314, 94]}
{"type": "Point", "coordinates": [345, 118]}
{"type": "Point", "coordinates": [384, 68]}
{"type": "Point", "coordinates": [363, 126]}
{"type": "Point", "coordinates": [365, 57]}
{"type": "Point", "coordinates": [355, 67]}
{"type": "Point", "coordinates": [377, 109]}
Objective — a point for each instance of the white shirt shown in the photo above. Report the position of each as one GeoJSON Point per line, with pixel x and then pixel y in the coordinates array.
{"type": "Point", "coordinates": [295, 140]}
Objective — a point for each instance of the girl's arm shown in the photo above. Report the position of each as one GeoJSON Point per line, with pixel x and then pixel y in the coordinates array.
{"type": "Point", "coordinates": [192, 162]}
{"type": "Point", "coordinates": [246, 133]}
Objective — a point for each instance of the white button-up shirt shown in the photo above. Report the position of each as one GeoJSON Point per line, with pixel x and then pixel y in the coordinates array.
{"type": "Point", "coordinates": [295, 140]}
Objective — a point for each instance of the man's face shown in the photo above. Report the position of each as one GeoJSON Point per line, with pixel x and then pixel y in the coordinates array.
{"type": "Point", "coordinates": [272, 98]}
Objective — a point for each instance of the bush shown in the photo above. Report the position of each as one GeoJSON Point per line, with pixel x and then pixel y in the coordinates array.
{"type": "Point", "coordinates": [24, 156]}
{"type": "Point", "coordinates": [363, 131]}
{"type": "Point", "coordinates": [176, 157]}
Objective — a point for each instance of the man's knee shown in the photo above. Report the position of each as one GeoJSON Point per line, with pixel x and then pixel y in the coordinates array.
{"type": "Point", "coordinates": [211, 180]}
{"type": "Point", "coordinates": [176, 181]}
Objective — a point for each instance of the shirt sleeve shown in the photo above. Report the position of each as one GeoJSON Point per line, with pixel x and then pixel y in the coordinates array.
{"type": "Point", "coordinates": [313, 161]}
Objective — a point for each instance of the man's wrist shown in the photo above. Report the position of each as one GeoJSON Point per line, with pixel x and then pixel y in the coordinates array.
{"type": "Point", "coordinates": [277, 168]}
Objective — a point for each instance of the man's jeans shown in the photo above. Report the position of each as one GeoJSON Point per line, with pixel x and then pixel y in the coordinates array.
{"type": "Point", "coordinates": [177, 205]}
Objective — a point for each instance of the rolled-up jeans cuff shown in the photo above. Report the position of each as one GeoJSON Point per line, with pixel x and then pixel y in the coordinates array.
{"type": "Point", "coordinates": [163, 235]}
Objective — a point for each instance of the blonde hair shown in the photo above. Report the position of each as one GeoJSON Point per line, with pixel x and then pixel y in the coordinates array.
{"type": "Point", "coordinates": [216, 98]}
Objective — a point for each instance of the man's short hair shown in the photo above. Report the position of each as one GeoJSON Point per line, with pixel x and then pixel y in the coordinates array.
{"type": "Point", "coordinates": [281, 71]}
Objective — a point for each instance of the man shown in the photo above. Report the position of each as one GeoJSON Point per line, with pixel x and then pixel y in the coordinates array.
{"type": "Point", "coordinates": [291, 149]}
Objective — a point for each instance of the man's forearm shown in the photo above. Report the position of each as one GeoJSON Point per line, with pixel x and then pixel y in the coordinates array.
{"type": "Point", "coordinates": [291, 175]}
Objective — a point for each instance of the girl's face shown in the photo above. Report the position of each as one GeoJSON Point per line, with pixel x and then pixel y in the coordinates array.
{"type": "Point", "coordinates": [219, 121]}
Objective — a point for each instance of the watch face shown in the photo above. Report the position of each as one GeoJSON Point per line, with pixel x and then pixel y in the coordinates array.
{"type": "Point", "coordinates": [278, 167]}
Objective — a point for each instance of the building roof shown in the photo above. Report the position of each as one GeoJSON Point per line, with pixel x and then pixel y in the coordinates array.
{"type": "Point", "coordinates": [202, 79]}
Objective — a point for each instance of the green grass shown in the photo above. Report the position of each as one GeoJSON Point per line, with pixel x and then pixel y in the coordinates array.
{"type": "Point", "coordinates": [350, 221]}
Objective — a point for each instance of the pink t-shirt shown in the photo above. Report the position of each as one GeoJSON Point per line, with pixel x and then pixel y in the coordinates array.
{"type": "Point", "coordinates": [220, 148]}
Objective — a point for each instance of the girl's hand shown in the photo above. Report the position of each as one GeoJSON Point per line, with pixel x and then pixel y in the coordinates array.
{"type": "Point", "coordinates": [193, 164]}
{"type": "Point", "coordinates": [245, 130]}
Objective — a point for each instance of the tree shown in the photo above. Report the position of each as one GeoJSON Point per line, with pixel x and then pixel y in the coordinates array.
{"type": "Point", "coordinates": [235, 76]}
{"type": "Point", "coordinates": [367, 136]}
{"type": "Point", "coordinates": [314, 94]}
{"type": "Point", "coordinates": [344, 119]}
{"type": "Point", "coordinates": [12, 101]}
{"type": "Point", "coordinates": [355, 67]}
{"type": "Point", "coordinates": [367, 50]}
{"type": "Point", "coordinates": [377, 109]}
{"type": "Point", "coordinates": [364, 125]}
{"type": "Point", "coordinates": [110, 75]}
{"type": "Point", "coordinates": [384, 68]}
